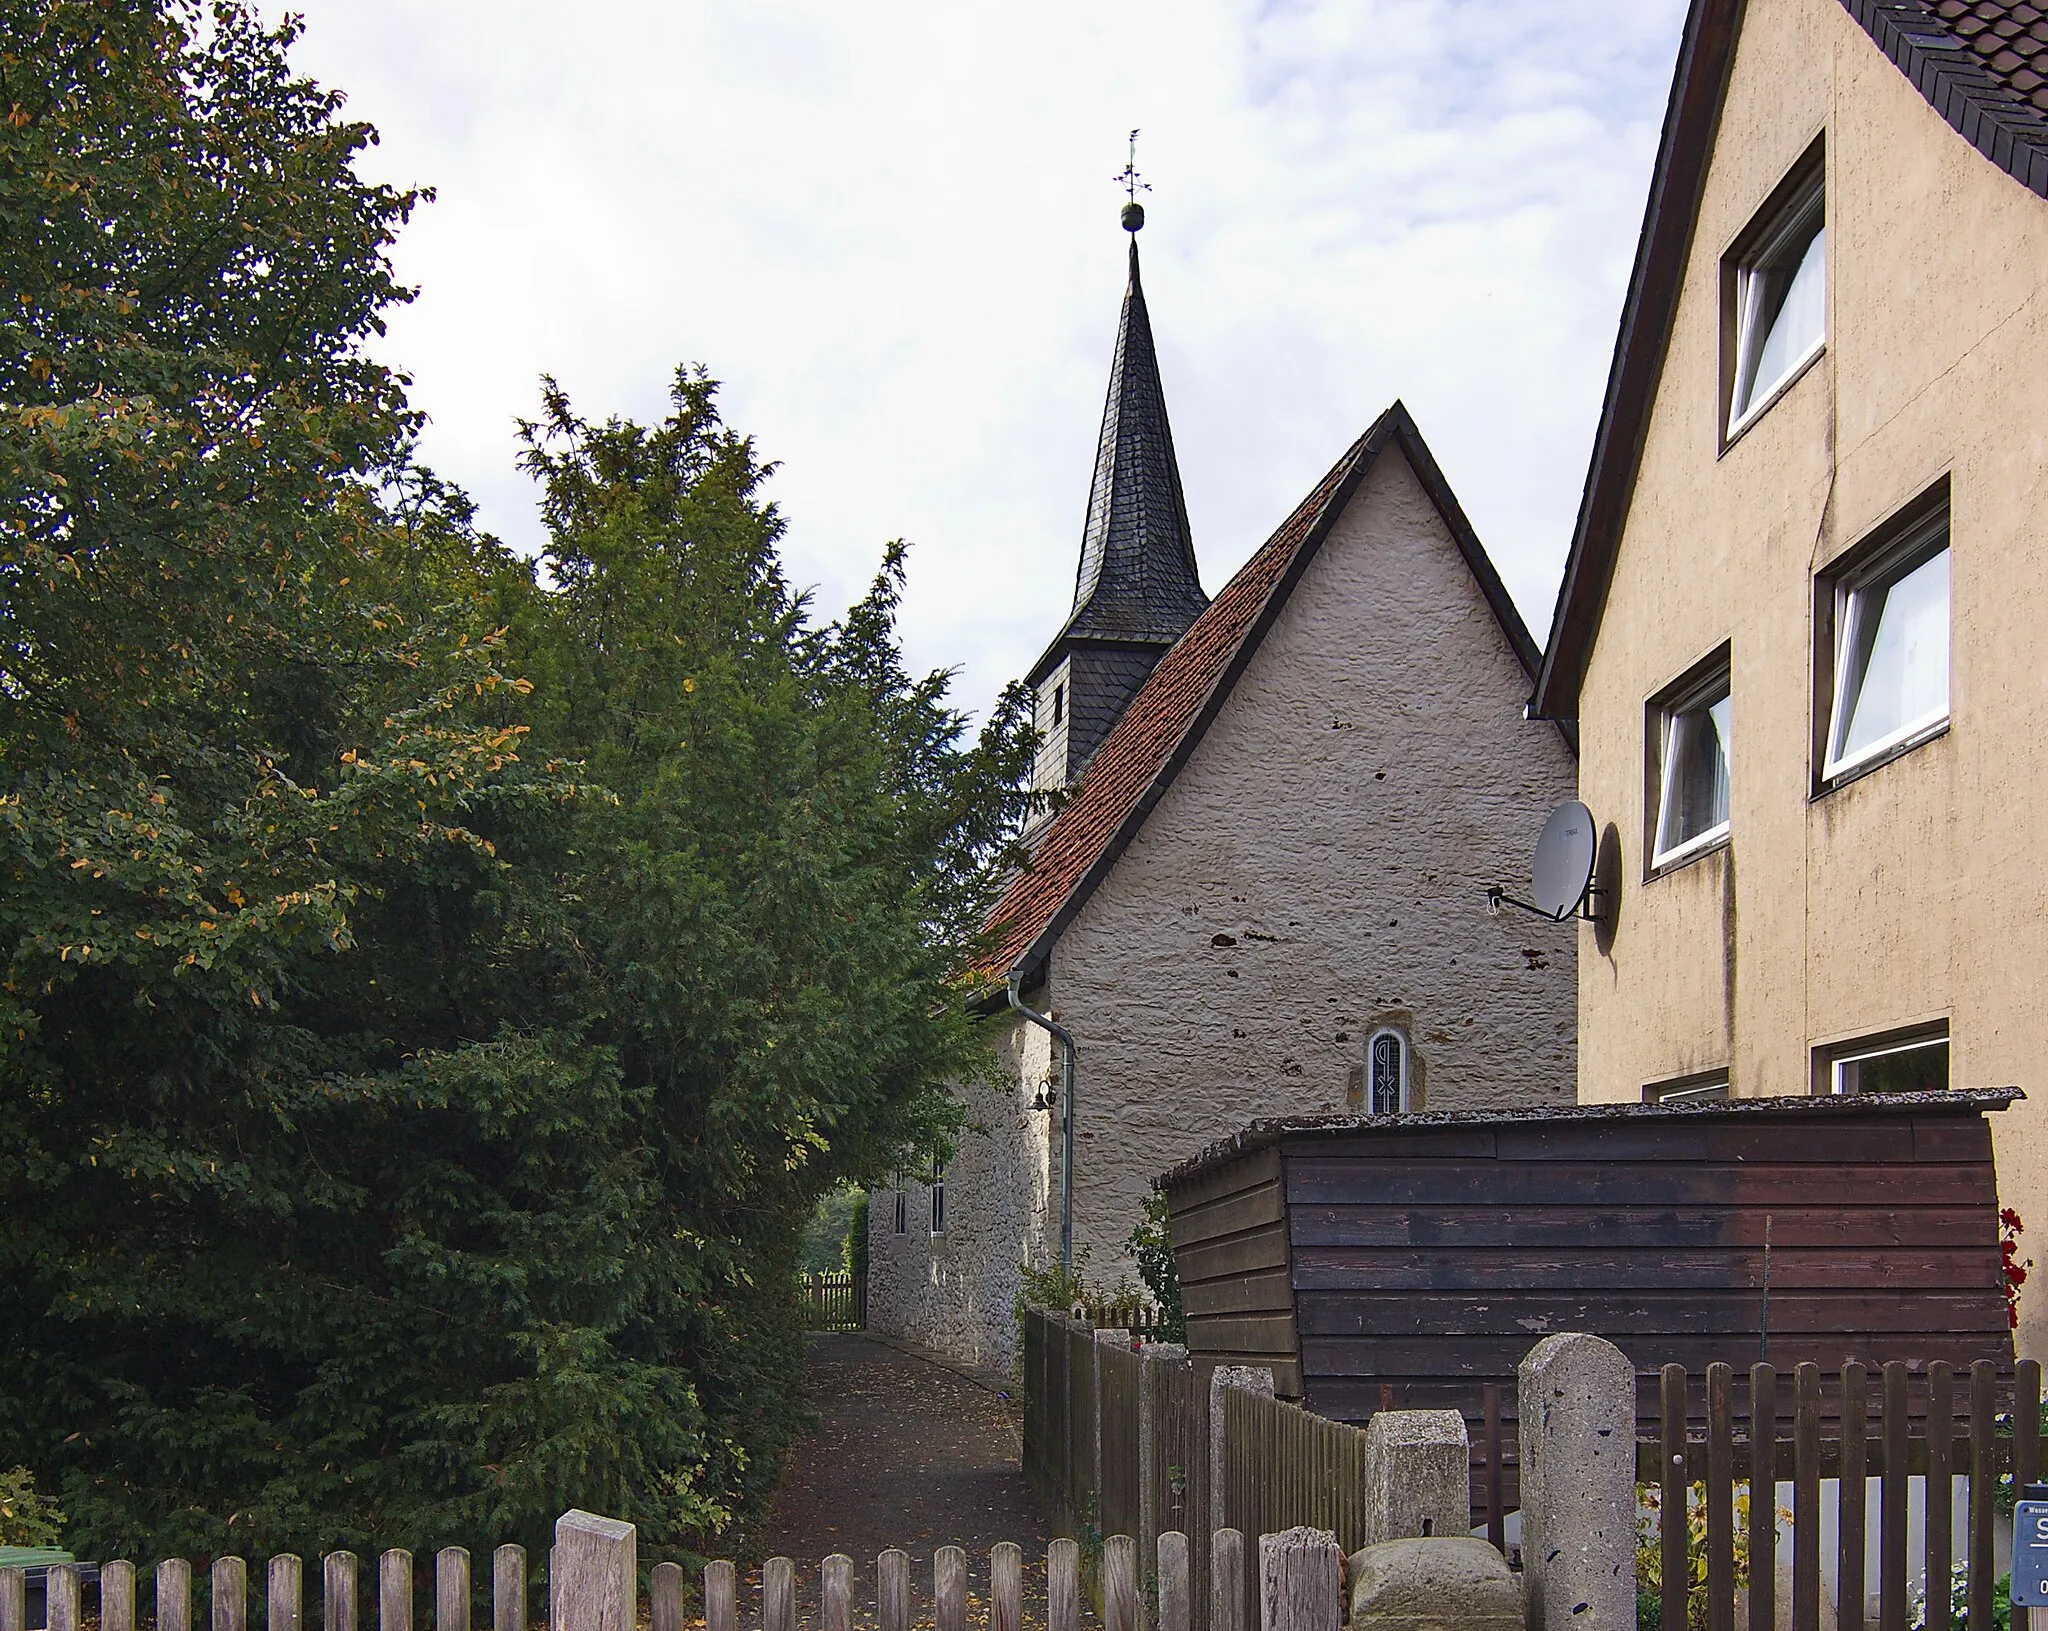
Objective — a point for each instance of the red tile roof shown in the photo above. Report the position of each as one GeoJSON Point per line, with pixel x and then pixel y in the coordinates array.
{"type": "Point", "coordinates": [1141, 755]}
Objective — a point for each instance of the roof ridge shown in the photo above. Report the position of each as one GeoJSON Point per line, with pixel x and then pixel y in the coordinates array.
{"type": "Point", "coordinates": [1146, 748]}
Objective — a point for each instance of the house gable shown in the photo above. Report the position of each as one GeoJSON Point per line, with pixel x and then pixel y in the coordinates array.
{"type": "Point", "coordinates": [1981, 65]}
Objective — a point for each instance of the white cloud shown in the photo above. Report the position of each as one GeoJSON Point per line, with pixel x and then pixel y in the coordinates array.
{"type": "Point", "coordinates": [890, 230]}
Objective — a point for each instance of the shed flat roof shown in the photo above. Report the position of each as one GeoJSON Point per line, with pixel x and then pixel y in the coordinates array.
{"type": "Point", "coordinates": [1260, 1135]}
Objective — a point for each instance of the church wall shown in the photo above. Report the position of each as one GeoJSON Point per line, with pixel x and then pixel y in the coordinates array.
{"type": "Point", "coordinates": [1318, 869]}
{"type": "Point", "coordinates": [957, 1291]}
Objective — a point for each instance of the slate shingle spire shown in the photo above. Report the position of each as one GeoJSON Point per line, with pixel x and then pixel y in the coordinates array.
{"type": "Point", "coordinates": [1137, 589]}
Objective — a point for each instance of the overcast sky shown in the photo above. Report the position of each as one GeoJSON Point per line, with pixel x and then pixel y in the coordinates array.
{"type": "Point", "coordinates": [891, 229]}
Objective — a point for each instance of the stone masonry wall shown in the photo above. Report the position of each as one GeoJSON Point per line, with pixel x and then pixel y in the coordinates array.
{"type": "Point", "coordinates": [1318, 868]}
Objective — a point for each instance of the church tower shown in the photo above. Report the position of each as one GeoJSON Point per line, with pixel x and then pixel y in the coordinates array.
{"type": "Point", "coordinates": [1137, 590]}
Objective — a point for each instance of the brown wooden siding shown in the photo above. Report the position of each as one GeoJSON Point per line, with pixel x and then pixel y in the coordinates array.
{"type": "Point", "coordinates": [1230, 1242]}
{"type": "Point", "coordinates": [1429, 1258]}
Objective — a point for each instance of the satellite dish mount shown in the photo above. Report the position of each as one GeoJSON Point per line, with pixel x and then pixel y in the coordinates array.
{"type": "Point", "coordinates": [1562, 877]}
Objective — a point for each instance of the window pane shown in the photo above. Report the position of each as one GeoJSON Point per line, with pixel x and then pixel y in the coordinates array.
{"type": "Point", "coordinates": [1695, 773]}
{"type": "Point", "coordinates": [1919, 1068]}
{"type": "Point", "coordinates": [1386, 1074]}
{"type": "Point", "coordinates": [1897, 673]}
{"type": "Point", "coordinates": [1793, 315]}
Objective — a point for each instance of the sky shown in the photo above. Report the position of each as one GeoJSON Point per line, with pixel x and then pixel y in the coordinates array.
{"type": "Point", "coordinates": [891, 231]}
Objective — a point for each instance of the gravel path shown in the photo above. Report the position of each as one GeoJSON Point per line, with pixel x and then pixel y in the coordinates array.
{"type": "Point", "coordinates": [910, 1453]}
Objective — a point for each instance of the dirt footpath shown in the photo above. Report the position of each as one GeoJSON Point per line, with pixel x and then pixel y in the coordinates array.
{"type": "Point", "coordinates": [910, 1454]}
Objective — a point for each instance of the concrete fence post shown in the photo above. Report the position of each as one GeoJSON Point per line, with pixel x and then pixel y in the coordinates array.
{"type": "Point", "coordinates": [1301, 1581]}
{"type": "Point", "coordinates": [1578, 1450]}
{"type": "Point", "coordinates": [1248, 1379]}
{"type": "Point", "coordinates": [593, 1575]}
{"type": "Point", "coordinates": [1418, 1475]}
{"type": "Point", "coordinates": [1153, 1358]}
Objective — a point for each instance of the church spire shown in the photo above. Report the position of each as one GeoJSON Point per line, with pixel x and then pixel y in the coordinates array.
{"type": "Point", "coordinates": [1137, 589]}
{"type": "Point", "coordinates": [1137, 578]}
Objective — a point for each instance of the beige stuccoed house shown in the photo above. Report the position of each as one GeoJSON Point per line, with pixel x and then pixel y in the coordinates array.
{"type": "Point", "coordinates": [1803, 632]}
{"type": "Point", "coordinates": [1265, 891]}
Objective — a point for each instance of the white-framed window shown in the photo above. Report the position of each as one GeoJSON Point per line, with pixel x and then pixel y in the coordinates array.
{"type": "Point", "coordinates": [1891, 626]}
{"type": "Point", "coordinates": [1913, 1064]}
{"type": "Point", "coordinates": [1781, 298]}
{"type": "Point", "coordinates": [1688, 1090]}
{"type": "Point", "coordinates": [938, 1197]}
{"type": "Point", "coordinates": [1692, 759]}
{"type": "Point", "coordinates": [1386, 1072]}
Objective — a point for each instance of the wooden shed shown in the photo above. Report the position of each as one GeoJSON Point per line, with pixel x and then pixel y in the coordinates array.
{"type": "Point", "coordinates": [1428, 1253]}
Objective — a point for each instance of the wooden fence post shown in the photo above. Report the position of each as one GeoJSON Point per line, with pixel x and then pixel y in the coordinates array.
{"type": "Point", "coordinates": [508, 1588]}
{"type": "Point", "coordinates": [1674, 1527]}
{"type": "Point", "coordinates": [665, 1597]}
{"type": "Point", "coordinates": [1226, 1580]}
{"type": "Point", "coordinates": [1063, 1586]}
{"type": "Point", "coordinates": [949, 1588]}
{"type": "Point", "coordinates": [1496, 1474]}
{"type": "Point", "coordinates": [1806, 1585]}
{"type": "Point", "coordinates": [1301, 1581]}
{"type": "Point", "coordinates": [394, 1591]}
{"type": "Point", "coordinates": [1852, 1497]}
{"type": "Point", "coordinates": [1892, 1608]}
{"type": "Point", "coordinates": [721, 1594]}
{"type": "Point", "coordinates": [1006, 1586]}
{"type": "Point", "coordinates": [174, 1595]}
{"type": "Point", "coordinates": [117, 1596]}
{"type": "Point", "coordinates": [1763, 1497]}
{"type": "Point", "coordinates": [1175, 1586]}
{"type": "Point", "coordinates": [892, 1589]}
{"type": "Point", "coordinates": [338, 1592]}
{"type": "Point", "coordinates": [1119, 1584]}
{"type": "Point", "coordinates": [61, 1609]}
{"type": "Point", "coordinates": [1941, 1504]}
{"type": "Point", "coordinates": [1983, 1489]}
{"type": "Point", "coordinates": [451, 1589]}
{"type": "Point", "coordinates": [593, 1574]}
{"type": "Point", "coordinates": [284, 1593]}
{"type": "Point", "coordinates": [13, 1600]}
{"type": "Point", "coordinates": [778, 1595]}
{"type": "Point", "coordinates": [230, 1594]}
{"type": "Point", "coordinates": [835, 1592]}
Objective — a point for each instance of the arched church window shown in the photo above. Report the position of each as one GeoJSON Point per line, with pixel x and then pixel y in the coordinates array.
{"type": "Point", "coordinates": [1386, 1070]}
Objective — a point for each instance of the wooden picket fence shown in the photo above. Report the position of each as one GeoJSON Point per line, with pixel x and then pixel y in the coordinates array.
{"type": "Point", "coordinates": [1124, 1588]}
{"type": "Point", "coordinates": [1848, 1428]}
{"type": "Point", "coordinates": [834, 1301]}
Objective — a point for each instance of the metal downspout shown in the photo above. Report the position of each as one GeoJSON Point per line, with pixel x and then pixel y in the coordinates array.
{"type": "Point", "coordinates": [1066, 1040]}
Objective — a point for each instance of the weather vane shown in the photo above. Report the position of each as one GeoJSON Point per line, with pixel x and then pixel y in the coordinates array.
{"type": "Point", "coordinates": [1133, 184]}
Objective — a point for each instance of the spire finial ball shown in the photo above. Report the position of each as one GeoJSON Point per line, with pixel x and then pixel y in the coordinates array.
{"type": "Point", "coordinates": [1133, 216]}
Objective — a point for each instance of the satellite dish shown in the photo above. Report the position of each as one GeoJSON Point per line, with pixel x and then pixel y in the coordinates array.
{"type": "Point", "coordinates": [1564, 859]}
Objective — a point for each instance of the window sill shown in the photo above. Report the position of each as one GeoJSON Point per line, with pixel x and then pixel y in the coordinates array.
{"type": "Point", "coordinates": [1877, 761]}
{"type": "Point", "coordinates": [1679, 859]}
{"type": "Point", "coordinates": [1770, 399]}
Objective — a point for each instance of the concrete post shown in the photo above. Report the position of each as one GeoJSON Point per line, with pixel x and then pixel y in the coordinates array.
{"type": "Point", "coordinates": [593, 1574]}
{"type": "Point", "coordinates": [1151, 1473]}
{"type": "Point", "coordinates": [1578, 1448]}
{"type": "Point", "coordinates": [1443, 1584]}
{"type": "Point", "coordinates": [1418, 1475]}
{"type": "Point", "coordinates": [1301, 1581]}
{"type": "Point", "coordinates": [1251, 1379]}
